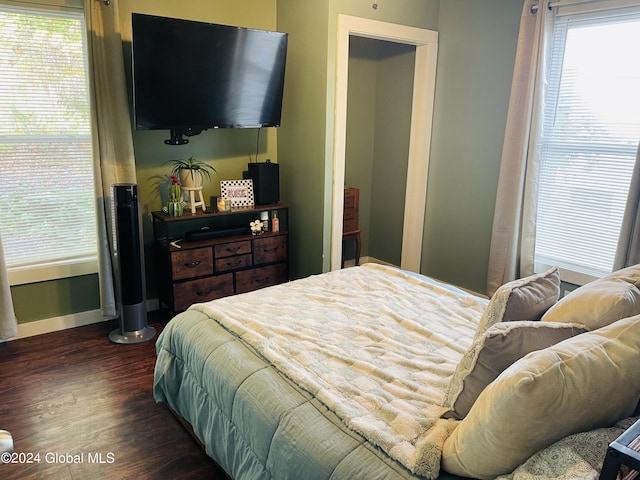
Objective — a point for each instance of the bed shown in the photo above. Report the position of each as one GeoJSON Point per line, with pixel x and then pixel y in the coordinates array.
{"type": "Point", "coordinates": [374, 372]}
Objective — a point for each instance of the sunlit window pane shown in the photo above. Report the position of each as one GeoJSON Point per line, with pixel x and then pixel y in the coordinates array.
{"type": "Point", "coordinates": [46, 166]}
{"type": "Point", "coordinates": [591, 133]}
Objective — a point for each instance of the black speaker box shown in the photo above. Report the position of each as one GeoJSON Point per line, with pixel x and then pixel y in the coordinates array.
{"type": "Point", "coordinates": [266, 182]}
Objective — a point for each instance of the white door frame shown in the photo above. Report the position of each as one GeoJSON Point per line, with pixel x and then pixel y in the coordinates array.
{"type": "Point", "coordinates": [426, 43]}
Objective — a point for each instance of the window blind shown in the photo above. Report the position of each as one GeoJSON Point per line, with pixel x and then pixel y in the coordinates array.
{"type": "Point", "coordinates": [46, 165]}
{"type": "Point", "coordinates": [598, 7]}
{"type": "Point", "coordinates": [589, 142]}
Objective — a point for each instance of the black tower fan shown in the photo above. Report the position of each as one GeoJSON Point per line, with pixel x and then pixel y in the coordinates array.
{"type": "Point", "coordinates": [129, 266]}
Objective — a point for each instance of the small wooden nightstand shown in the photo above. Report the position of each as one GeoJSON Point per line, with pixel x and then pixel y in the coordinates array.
{"type": "Point", "coordinates": [623, 451]}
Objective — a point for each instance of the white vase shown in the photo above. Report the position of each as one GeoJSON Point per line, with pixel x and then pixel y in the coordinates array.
{"type": "Point", "coordinates": [191, 178]}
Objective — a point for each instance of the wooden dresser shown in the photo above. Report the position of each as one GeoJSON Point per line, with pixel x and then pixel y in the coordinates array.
{"type": "Point", "coordinates": [225, 262]}
{"type": "Point", "coordinates": [350, 229]}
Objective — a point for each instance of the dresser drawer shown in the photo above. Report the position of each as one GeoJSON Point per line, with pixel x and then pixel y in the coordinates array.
{"type": "Point", "coordinates": [350, 225]}
{"type": "Point", "coordinates": [349, 199]}
{"type": "Point", "coordinates": [350, 214]}
{"type": "Point", "coordinates": [191, 263]}
{"type": "Point", "coordinates": [233, 248]}
{"type": "Point", "coordinates": [233, 263]}
{"type": "Point", "coordinates": [203, 290]}
{"type": "Point", "coordinates": [350, 220]}
{"type": "Point", "coordinates": [269, 249]}
{"type": "Point", "coordinates": [249, 280]}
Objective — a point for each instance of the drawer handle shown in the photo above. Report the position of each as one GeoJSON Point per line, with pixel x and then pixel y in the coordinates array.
{"type": "Point", "coordinates": [232, 249]}
{"type": "Point", "coordinates": [201, 293]}
{"type": "Point", "coordinates": [263, 281]}
{"type": "Point", "coordinates": [237, 263]}
{"type": "Point", "coordinates": [192, 264]}
{"type": "Point", "coordinates": [269, 250]}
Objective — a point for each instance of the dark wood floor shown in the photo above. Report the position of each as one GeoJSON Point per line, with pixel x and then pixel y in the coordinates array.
{"type": "Point", "coordinates": [77, 400]}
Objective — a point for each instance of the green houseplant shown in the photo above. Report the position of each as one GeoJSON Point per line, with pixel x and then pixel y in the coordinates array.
{"type": "Point", "coordinates": [175, 206]}
{"type": "Point", "coordinates": [191, 171]}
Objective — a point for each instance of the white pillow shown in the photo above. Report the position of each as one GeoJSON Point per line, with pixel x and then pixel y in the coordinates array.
{"type": "Point", "coordinates": [588, 381]}
{"type": "Point", "coordinates": [600, 302]}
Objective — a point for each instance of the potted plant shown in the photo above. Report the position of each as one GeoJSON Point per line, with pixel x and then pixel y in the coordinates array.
{"type": "Point", "coordinates": [191, 171]}
{"type": "Point", "coordinates": [175, 206]}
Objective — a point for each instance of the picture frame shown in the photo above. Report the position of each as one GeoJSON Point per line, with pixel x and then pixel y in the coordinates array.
{"type": "Point", "coordinates": [240, 192]}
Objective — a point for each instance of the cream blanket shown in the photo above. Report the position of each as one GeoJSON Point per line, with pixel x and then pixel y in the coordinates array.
{"type": "Point", "coordinates": [376, 345]}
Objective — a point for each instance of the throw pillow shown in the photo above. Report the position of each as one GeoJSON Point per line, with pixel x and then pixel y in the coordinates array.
{"type": "Point", "coordinates": [523, 299]}
{"type": "Point", "coordinates": [495, 350]}
{"type": "Point", "coordinates": [629, 274]}
{"type": "Point", "coordinates": [585, 382]}
{"type": "Point", "coordinates": [600, 302]}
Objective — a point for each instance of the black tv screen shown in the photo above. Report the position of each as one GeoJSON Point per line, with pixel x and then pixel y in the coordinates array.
{"type": "Point", "coordinates": [189, 76]}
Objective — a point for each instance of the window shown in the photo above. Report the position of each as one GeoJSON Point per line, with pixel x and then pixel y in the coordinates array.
{"type": "Point", "coordinates": [589, 143]}
{"type": "Point", "coordinates": [48, 217]}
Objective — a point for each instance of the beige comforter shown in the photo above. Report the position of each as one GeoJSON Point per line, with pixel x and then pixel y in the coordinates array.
{"type": "Point", "coordinates": [376, 345]}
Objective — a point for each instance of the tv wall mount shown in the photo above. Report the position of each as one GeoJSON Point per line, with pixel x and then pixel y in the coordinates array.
{"type": "Point", "coordinates": [177, 133]}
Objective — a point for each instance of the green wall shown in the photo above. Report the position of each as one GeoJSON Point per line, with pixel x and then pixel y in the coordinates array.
{"type": "Point", "coordinates": [477, 44]}
{"type": "Point", "coordinates": [228, 150]}
{"type": "Point", "coordinates": [476, 53]}
{"type": "Point", "coordinates": [301, 139]}
{"type": "Point", "coordinates": [56, 298]}
{"type": "Point", "coordinates": [393, 121]}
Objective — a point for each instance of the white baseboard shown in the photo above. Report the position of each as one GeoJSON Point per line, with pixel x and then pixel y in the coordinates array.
{"type": "Point", "coordinates": [376, 260]}
{"type": "Point", "coordinates": [363, 260]}
{"type": "Point", "coordinates": [55, 324]}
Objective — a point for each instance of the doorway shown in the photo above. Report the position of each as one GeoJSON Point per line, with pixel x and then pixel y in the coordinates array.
{"type": "Point", "coordinates": [377, 143]}
{"type": "Point", "coordinates": [425, 42]}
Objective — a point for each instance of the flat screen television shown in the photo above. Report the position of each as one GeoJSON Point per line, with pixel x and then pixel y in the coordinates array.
{"type": "Point", "coordinates": [190, 76]}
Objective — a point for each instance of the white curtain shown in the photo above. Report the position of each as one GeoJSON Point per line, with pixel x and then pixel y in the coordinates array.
{"type": "Point", "coordinates": [8, 323]}
{"type": "Point", "coordinates": [113, 144]}
{"type": "Point", "coordinates": [628, 252]}
{"type": "Point", "coordinates": [513, 234]}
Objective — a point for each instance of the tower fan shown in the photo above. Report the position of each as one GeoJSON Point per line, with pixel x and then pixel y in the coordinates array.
{"type": "Point", "coordinates": [129, 266]}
